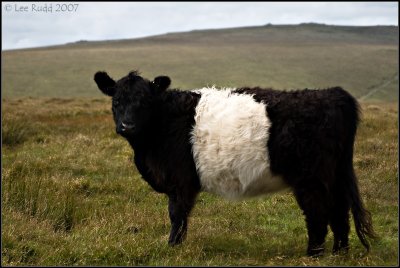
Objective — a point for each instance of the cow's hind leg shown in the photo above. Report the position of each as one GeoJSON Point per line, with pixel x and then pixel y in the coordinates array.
{"type": "Point", "coordinates": [313, 201]}
{"type": "Point", "coordinates": [339, 216]}
{"type": "Point", "coordinates": [179, 208]}
{"type": "Point", "coordinates": [339, 222]}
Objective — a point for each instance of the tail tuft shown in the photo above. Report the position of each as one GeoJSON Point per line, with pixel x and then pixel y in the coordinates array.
{"type": "Point", "coordinates": [362, 222]}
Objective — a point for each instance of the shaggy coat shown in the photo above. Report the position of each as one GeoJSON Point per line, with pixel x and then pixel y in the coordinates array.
{"type": "Point", "coordinates": [245, 142]}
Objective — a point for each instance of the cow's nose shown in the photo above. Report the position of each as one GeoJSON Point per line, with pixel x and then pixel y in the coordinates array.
{"type": "Point", "coordinates": [128, 126]}
{"type": "Point", "coordinates": [125, 128]}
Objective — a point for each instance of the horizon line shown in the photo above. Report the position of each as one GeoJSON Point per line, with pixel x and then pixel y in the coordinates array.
{"type": "Point", "coordinates": [188, 31]}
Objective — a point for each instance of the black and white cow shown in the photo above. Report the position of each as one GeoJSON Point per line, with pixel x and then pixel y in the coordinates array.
{"type": "Point", "coordinates": [242, 143]}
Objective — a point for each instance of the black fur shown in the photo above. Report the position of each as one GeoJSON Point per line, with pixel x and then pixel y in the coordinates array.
{"type": "Point", "coordinates": [161, 123]}
{"type": "Point", "coordinates": [162, 82]}
{"type": "Point", "coordinates": [310, 144]}
{"type": "Point", "coordinates": [105, 83]}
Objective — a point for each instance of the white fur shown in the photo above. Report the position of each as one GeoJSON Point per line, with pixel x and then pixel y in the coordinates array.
{"type": "Point", "coordinates": [229, 141]}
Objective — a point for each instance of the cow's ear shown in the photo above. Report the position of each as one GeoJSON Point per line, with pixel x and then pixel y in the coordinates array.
{"type": "Point", "coordinates": [105, 83]}
{"type": "Point", "coordinates": [161, 83]}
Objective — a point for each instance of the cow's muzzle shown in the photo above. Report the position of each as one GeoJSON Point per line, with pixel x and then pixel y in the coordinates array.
{"type": "Point", "coordinates": [125, 128]}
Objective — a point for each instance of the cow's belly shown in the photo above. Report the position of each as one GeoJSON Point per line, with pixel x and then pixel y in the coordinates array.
{"type": "Point", "coordinates": [229, 142]}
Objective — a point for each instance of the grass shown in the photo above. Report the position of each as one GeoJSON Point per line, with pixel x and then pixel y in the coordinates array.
{"type": "Point", "coordinates": [72, 196]}
{"type": "Point", "coordinates": [285, 57]}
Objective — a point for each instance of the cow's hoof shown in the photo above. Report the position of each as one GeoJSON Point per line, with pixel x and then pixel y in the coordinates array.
{"type": "Point", "coordinates": [174, 242]}
{"type": "Point", "coordinates": [341, 250]}
{"type": "Point", "coordinates": [315, 252]}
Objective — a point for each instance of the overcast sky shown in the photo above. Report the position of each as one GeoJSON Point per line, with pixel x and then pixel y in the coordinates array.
{"type": "Point", "coordinates": [27, 24]}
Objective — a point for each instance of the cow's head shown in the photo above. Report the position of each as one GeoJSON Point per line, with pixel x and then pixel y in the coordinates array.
{"type": "Point", "coordinates": [132, 100]}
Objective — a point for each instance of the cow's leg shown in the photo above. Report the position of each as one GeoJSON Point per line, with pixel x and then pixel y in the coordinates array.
{"type": "Point", "coordinates": [313, 201]}
{"type": "Point", "coordinates": [179, 208]}
{"type": "Point", "coordinates": [339, 222]}
{"type": "Point", "coordinates": [339, 216]}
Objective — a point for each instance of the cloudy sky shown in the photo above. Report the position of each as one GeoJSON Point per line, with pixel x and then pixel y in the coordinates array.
{"type": "Point", "coordinates": [30, 24]}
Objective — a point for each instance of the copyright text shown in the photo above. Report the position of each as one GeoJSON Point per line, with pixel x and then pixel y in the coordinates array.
{"type": "Point", "coordinates": [41, 8]}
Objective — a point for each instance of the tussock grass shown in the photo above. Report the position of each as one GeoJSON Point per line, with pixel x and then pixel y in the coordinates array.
{"type": "Point", "coordinates": [29, 190]}
{"type": "Point", "coordinates": [72, 196]}
{"type": "Point", "coordinates": [15, 132]}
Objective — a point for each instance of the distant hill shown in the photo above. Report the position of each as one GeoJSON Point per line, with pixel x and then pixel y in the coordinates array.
{"type": "Point", "coordinates": [363, 60]}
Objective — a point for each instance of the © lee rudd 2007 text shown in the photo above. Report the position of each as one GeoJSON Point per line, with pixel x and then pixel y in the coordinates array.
{"type": "Point", "coordinates": [45, 8]}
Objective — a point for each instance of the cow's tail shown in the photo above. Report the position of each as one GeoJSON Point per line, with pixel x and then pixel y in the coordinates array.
{"type": "Point", "coordinates": [362, 217]}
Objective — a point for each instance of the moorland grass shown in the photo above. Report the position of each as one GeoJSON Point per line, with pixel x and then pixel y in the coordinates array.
{"type": "Point", "coordinates": [72, 196]}
{"type": "Point", "coordinates": [283, 57]}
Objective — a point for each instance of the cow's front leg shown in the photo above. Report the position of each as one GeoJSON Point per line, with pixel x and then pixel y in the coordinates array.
{"type": "Point", "coordinates": [179, 208]}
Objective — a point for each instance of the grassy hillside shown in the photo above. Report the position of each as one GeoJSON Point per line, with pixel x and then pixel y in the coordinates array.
{"type": "Point", "coordinates": [360, 59]}
{"type": "Point", "coordinates": [72, 196]}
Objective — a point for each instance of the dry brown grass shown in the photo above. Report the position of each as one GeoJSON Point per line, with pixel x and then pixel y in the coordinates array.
{"type": "Point", "coordinates": [71, 196]}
